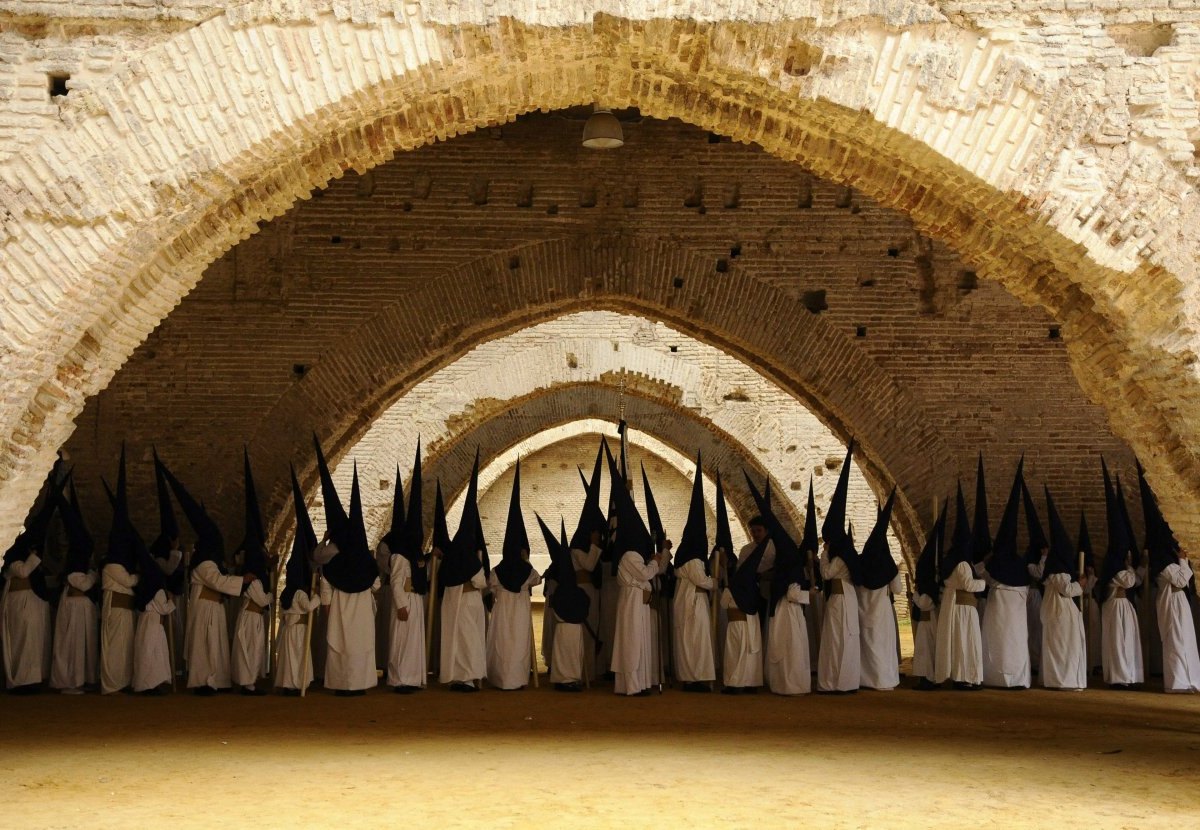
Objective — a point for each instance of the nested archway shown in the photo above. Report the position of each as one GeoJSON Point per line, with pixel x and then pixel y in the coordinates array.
{"type": "Point", "coordinates": [134, 231]}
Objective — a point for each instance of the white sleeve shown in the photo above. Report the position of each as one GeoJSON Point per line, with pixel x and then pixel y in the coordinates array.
{"type": "Point", "coordinates": [1176, 574]}
{"type": "Point", "coordinates": [256, 593]}
{"type": "Point", "coordinates": [897, 584]}
{"type": "Point", "coordinates": [400, 573]}
{"type": "Point", "coordinates": [1125, 579]}
{"type": "Point", "coordinates": [533, 579]}
{"type": "Point", "coordinates": [923, 601]}
{"type": "Point", "coordinates": [493, 582]}
{"type": "Point", "coordinates": [768, 559]}
{"type": "Point", "coordinates": [210, 575]}
{"type": "Point", "coordinates": [23, 569]}
{"type": "Point", "coordinates": [797, 594]}
{"type": "Point", "coordinates": [479, 580]}
{"type": "Point", "coordinates": [118, 574]}
{"type": "Point", "coordinates": [171, 563]}
{"type": "Point", "coordinates": [693, 572]}
{"type": "Point", "coordinates": [82, 581]}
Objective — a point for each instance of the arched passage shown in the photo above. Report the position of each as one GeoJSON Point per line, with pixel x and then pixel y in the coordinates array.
{"type": "Point", "coordinates": [134, 241]}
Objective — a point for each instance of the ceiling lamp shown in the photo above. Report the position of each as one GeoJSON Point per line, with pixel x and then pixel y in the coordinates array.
{"type": "Point", "coordinates": [602, 131]}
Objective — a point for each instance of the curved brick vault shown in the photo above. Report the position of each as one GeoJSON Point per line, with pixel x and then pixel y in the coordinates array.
{"type": "Point", "coordinates": [113, 214]}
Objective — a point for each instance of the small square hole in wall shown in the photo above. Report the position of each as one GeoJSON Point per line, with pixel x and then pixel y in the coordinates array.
{"type": "Point", "coordinates": [299, 370]}
{"type": "Point", "coordinates": [1055, 333]}
{"type": "Point", "coordinates": [58, 84]}
{"type": "Point", "coordinates": [860, 331]}
{"type": "Point", "coordinates": [674, 349]}
{"type": "Point", "coordinates": [677, 282]}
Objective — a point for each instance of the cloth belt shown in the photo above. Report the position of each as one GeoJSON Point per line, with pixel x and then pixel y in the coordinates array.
{"type": "Point", "coordinates": [408, 586]}
{"type": "Point", "coordinates": [735, 615]}
{"type": "Point", "coordinates": [72, 591]}
{"type": "Point", "coordinates": [19, 583]}
{"type": "Point", "coordinates": [1175, 589]}
{"type": "Point", "coordinates": [253, 607]}
{"type": "Point", "coordinates": [583, 577]}
{"type": "Point", "coordinates": [1118, 593]}
{"type": "Point", "coordinates": [700, 590]}
{"type": "Point", "coordinates": [469, 587]}
{"type": "Point", "coordinates": [118, 600]}
{"type": "Point", "coordinates": [966, 598]}
{"type": "Point", "coordinates": [211, 595]}
{"type": "Point", "coordinates": [836, 587]}
{"type": "Point", "coordinates": [646, 595]}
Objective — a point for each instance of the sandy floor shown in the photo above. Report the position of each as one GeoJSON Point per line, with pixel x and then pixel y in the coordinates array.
{"type": "Point", "coordinates": [520, 759]}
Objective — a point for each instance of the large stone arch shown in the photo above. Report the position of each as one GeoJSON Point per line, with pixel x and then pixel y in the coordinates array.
{"type": "Point", "coordinates": [172, 163]}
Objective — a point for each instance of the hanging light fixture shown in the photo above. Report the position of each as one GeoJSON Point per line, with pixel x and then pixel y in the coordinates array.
{"type": "Point", "coordinates": [602, 131]}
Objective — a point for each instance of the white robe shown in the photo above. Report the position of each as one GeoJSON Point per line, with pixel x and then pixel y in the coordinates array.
{"type": "Point", "coordinates": [878, 639]}
{"type": "Point", "coordinates": [384, 616]}
{"type": "Point", "coordinates": [743, 663]}
{"type": "Point", "coordinates": [1005, 631]}
{"type": "Point", "coordinates": [76, 636]}
{"type": "Point", "coordinates": [26, 633]}
{"type": "Point", "coordinates": [959, 651]}
{"type": "Point", "coordinates": [1033, 614]}
{"type": "Point", "coordinates": [925, 638]}
{"type": "Point", "coordinates": [633, 649]}
{"type": "Point", "coordinates": [1064, 645]}
{"type": "Point", "coordinates": [1121, 641]}
{"type": "Point", "coordinates": [1092, 623]}
{"type": "Point", "coordinates": [291, 647]}
{"type": "Point", "coordinates": [510, 635]}
{"type": "Point", "coordinates": [168, 565]}
{"type": "Point", "coordinates": [406, 641]}
{"type": "Point", "coordinates": [839, 666]}
{"type": "Point", "coordinates": [1181, 662]}
{"type": "Point", "coordinates": [815, 618]}
{"type": "Point", "coordinates": [248, 658]}
{"type": "Point", "coordinates": [151, 653]}
{"type": "Point", "coordinates": [566, 659]}
{"type": "Point", "coordinates": [692, 623]}
{"type": "Point", "coordinates": [116, 630]}
{"type": "Point", "coordinates": [789, 671]}
{"type": "Point", "coordinates": [587, 561]}
{"type": "Point", "coordinates": [463, 653]}
{"type": "Point", "coordinates": [208, 632]}
{"type": "Point", "coordinates": [349, 637]}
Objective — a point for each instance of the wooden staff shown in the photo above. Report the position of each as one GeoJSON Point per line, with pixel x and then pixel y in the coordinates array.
{"type": "Point", "coordinates": [533, 646]}
{"type": "Point", "coordinates": [432, 604]}
{"type": "Point", "coordinates": [714, 600]}
{"type": "Point", "coordinates": [272, 632]}
{"type": "Point", "coordinates": [308, 627]}
{"type": "Point", "coordinates": [171, 648]}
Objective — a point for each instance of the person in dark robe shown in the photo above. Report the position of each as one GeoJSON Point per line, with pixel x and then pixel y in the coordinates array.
{"type": "Point", "coordinates": [407, 667]}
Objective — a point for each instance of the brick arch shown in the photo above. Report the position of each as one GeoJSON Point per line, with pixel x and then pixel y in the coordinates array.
{"type": "Point", "coordinates": [97, 253]}
{"type": "Point", "coordinates": [349, 389]}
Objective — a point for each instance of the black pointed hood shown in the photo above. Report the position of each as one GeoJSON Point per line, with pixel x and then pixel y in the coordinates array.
{"type": "Point", "coordinates": [568, 601]}
{"type": "Point", "coordinates": [833, 529]}
{"type": "Point", "coordinates": [79, 541]}
{"type": "Point", "coordinates": [462, 561]}
{"type": "Point", "coordinates": [168, 525]}
{"type": "Point", "coordinates": [441, 532]}
{"type": "Point", "coordinates": [298, 573]}
{"type": "Point", "coordinates": [412, 543]}
{"type": "Point", "coordinates": [151, 578]}
{"type": "Point", "coordinates": [514, 567]}
{"type": "Point", "coordinates": [631, 532]}
{"type": "Point", "coordinates": [653, 518]}
{"type": "Point", "coordinates": [789, 564]}
{"type": "Point", "coordinates": [743, 582]}
{"type": "Point", "coordinates": [120, 541]}
{"type": "Point", "coordinates": [693, 542]}
{"type": "Point", "coordinates": [1085, 543]}
{"type": "Point", "coordinates": [210, 545]}
{"type": "Point", "coordinates": [927, 577]}
{"type": "Point", "coordinates": [591, 517]}
{"type": "Point", "coordinates": [724, 537]}
{"type": "Point", "coordinates": [1160, 540]}
{"type": "Point", "coordinates": [354, 569]}
{"type": "Point", "coordinates": [395, 532]}
{"type": "Point", "coordinates": [336, 518]}
{"type": "Point", "coordinates": [254, 539]}
{"type": "Point", "coordinates": [1006, 565]}
{"type": "Point", "coordinates": [1123, 507]}
{"type": "Point", "coordinates": [877, 567]}
{"type": "Point", "coordinates": [811, 543]}
{"type": "Point", "coordinates": [1063, 557]}
{"type": "Point", "coordinates": [960, 542]}
{"type": "Point", "coordinates": [980, 532]}
{"type": "Point", "coordinates": [1033, 527]}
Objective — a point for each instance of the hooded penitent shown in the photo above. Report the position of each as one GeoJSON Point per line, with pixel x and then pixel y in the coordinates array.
{"type": "Point", "coordinates": [570, 602]}
{"type": "Point", "coordinates": [653, 518]}
{"type": "Point", "coordinates": [1062, 558]}
{"type": "Point", "coordinates": [1006, 566]}
{"type": "Point", "coordinates": [928, 582]}
{"type": "Point", "coordinates": [514, 567]}
{"type": "Point", "coordinates": [210, 545]}
{"type": "Point", "coordinates": [461, 562]}
{"type": "Point", "coordinates": [298, 574]}
{"type": "Point", "coordinates": [1160, 540]}
{"type": "Point", "coordinates": [441, 532]}
{"type": "Point", "coordinates": [980, 531]}
{"type": "Point", "coordinates": [876, 565]}
{"type": "Point", "coordinates": [353, 570]}
{"type": "Point", "coordinates": [724, 537]}
{"type": "Point", "coordinates": [254, 540]}
{"type": "Point", "coordinates": [412, 543]}
{"type": "Point", "coordinates": [79, 542]}
{"type": "Point", "coordinates": [810, 544]}
{"type": "Point", "coordinates": [1123, 506]}
{"type": "Point", "coordinates": [591, 517]}
{"type": "Point", "coordinates": [168, 528]}
{"type": "Point", "coordinates": [833, 529]}
{"type": "Point", "coordinates": [693, 542]}
{"type": "Point", "coordinates": [960, 542]}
